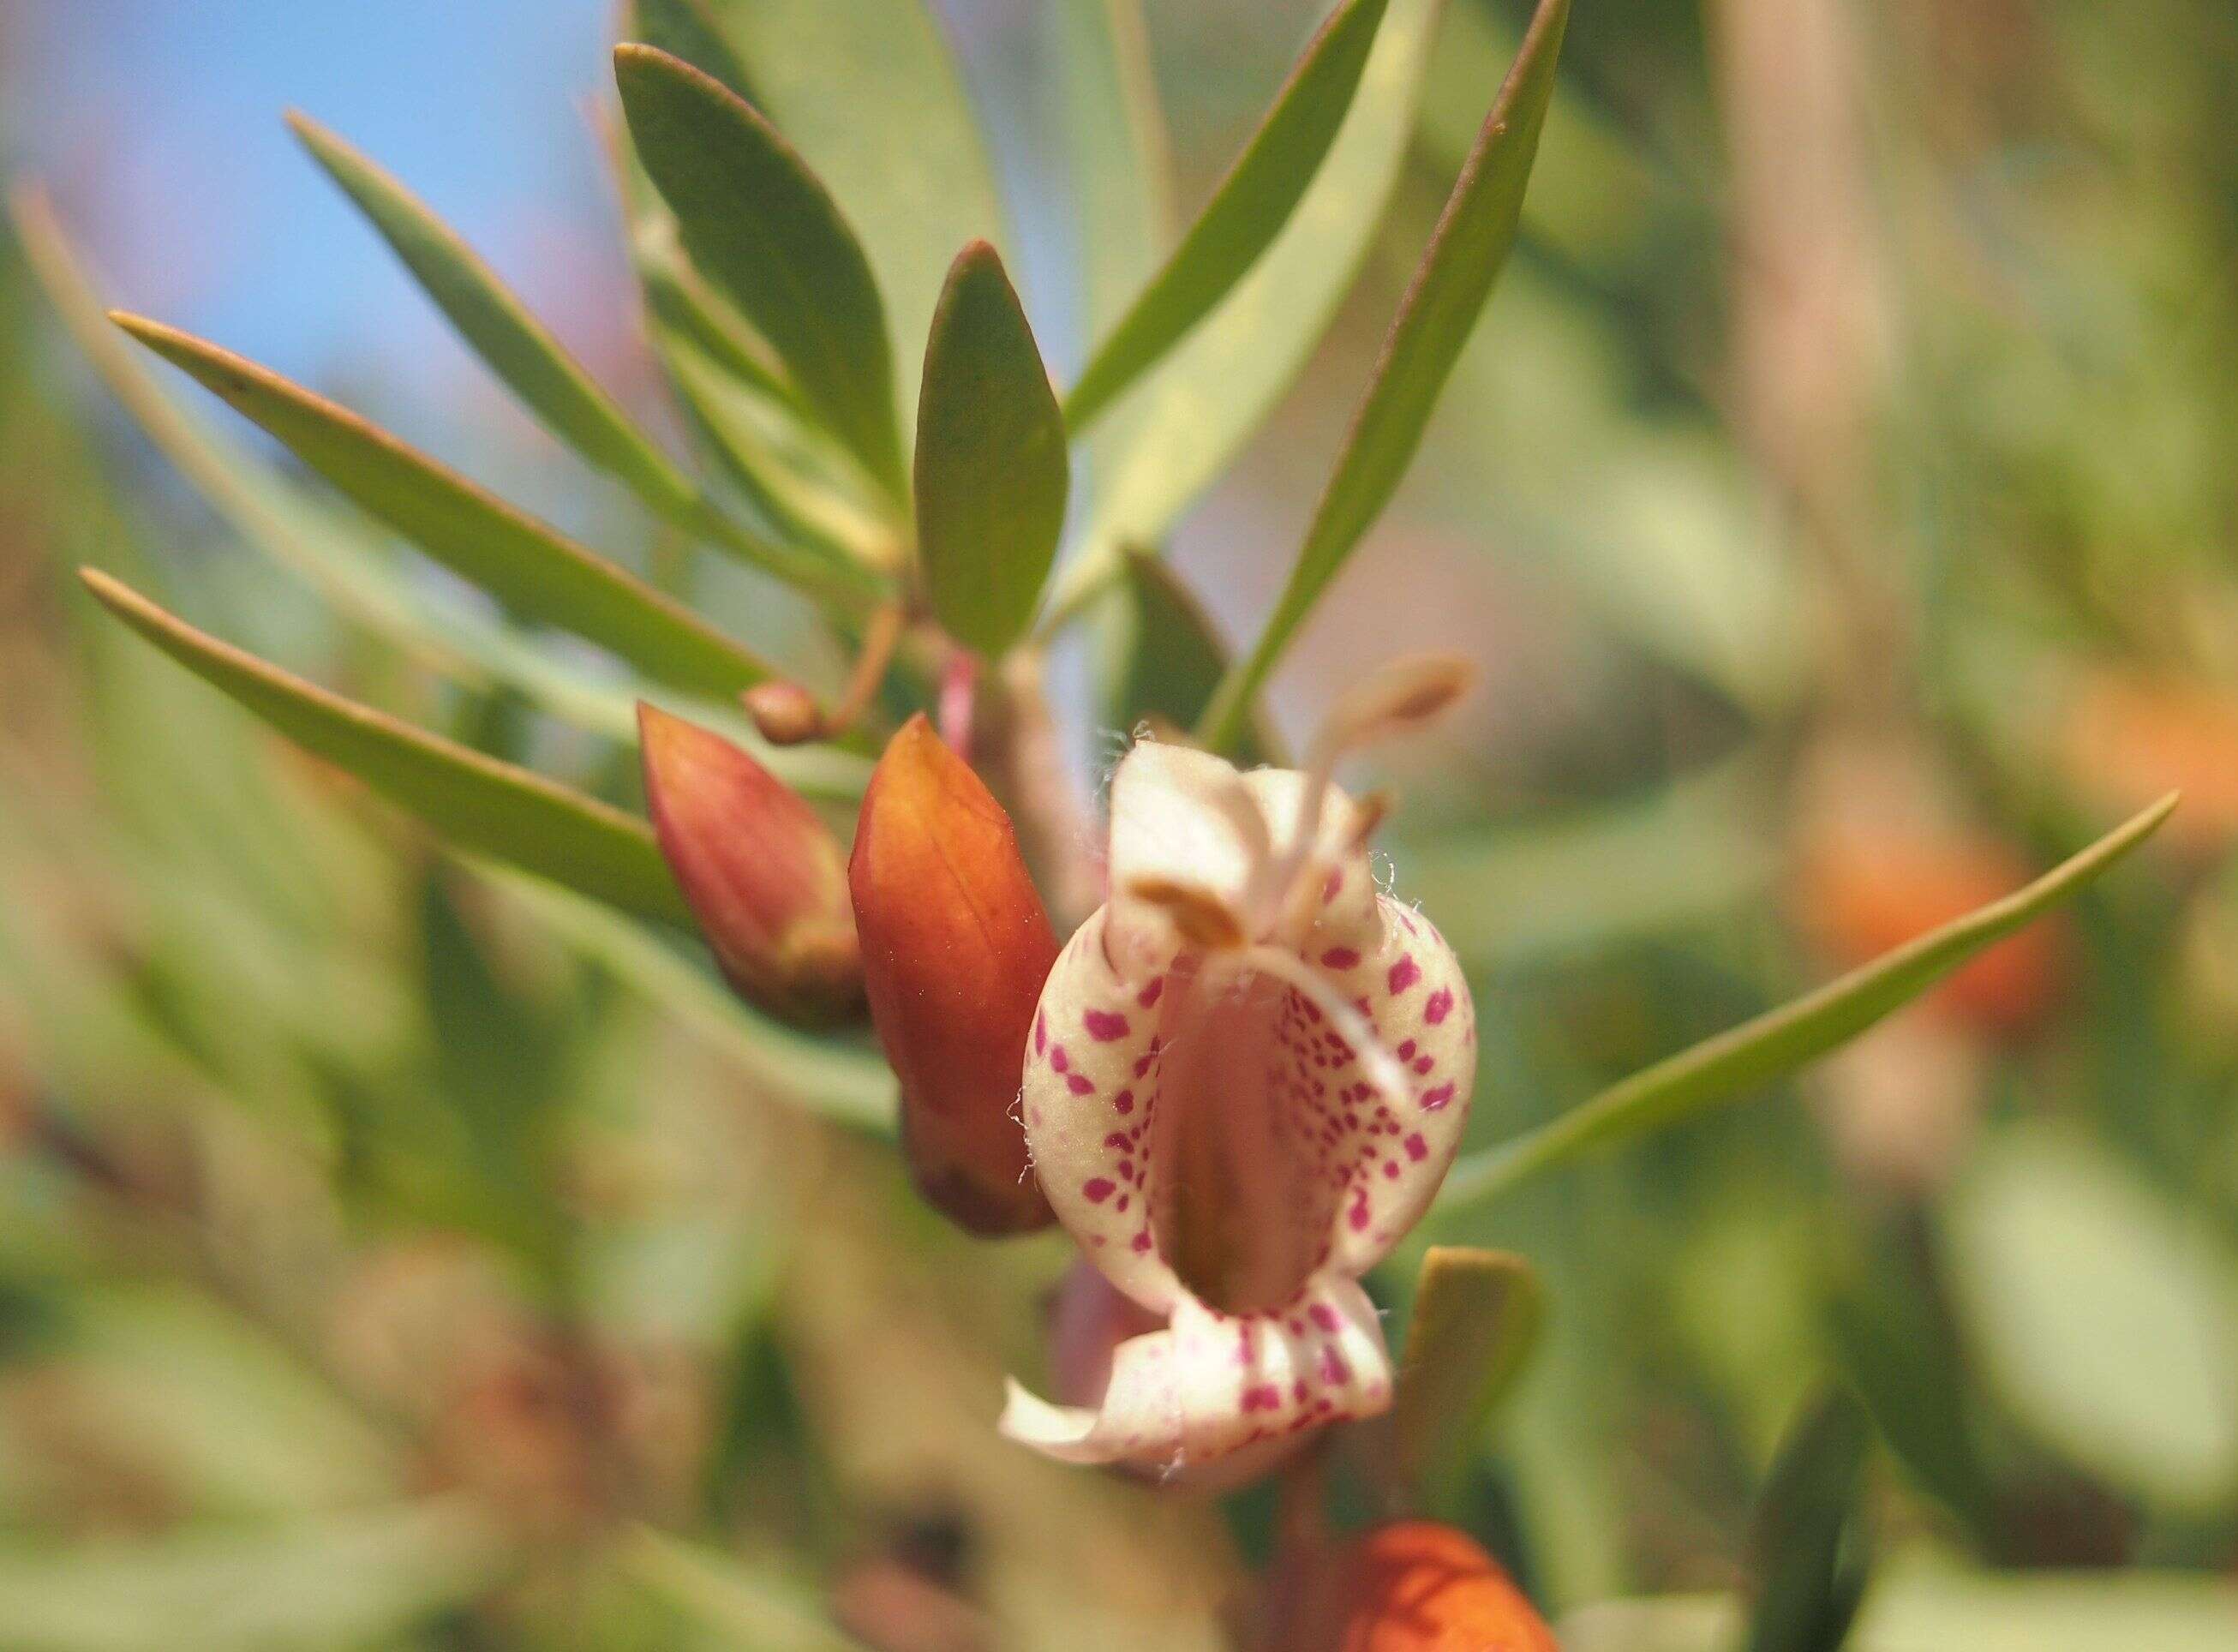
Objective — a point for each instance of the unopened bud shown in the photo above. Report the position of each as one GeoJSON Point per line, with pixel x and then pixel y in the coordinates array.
{"type": "Point", "coordinates": [1416, 1586]}
{"type": "Point", "coordinates": [766, 878]}
{"type": "Point", "coordinates": [784, 714]}
{"type": "Point", "coordinates": [956, 947]}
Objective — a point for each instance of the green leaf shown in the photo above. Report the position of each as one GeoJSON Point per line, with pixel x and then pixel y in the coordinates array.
{"type": "Point", "coordinates": [1456, 276]}
{"type": "Point", "coordinates": [355, 568]}
{"type": "Point", "coordinates": [1213, 391]}
{"type": "Point", "coordinates": [747, 1604]}
{"type": "Point", "coordinates": [1477, 1316]}
{"type": "Point", "coordinates": [492, 319]}
{"type": "Point", "coordinates": [689, 30]}
{"type": "Point", "coordinates": [1166, 655]}
{"type": "Point", "coordinates": [1926, 1605]}
{"type": "Point", "coordinates": [2105, 1320]}
{"type": "Point", "coordinates": [867, 90]}
{"type": "Point", "coordinates": [823, 1076]}
{"type": "Point", "coordinates": [990, 460]}
{"type": "Point", "coordinates": [1114, 138]}
{"type": "Point", "coordinates": [1779, 1041]}
{"type": "Point", "coordinates": [1807, 1549]}
{"type": "Point", "coordinates": [473, 801]}
{"type": "Point", "coordinates": [345, 1579]}
{"type": "Point", "coordinates": [762, 226]}
{"type": "Point", "coordinates": [537, 571]}
{"type": "Point", "coordinates": [1245, 213]}
{"type": "Point", "coordinates": [1594, 878]}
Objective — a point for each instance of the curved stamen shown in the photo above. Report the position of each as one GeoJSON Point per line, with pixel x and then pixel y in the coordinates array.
{"type": "Point", "coordinates": [1395, 699]}
{"type": "Point", "coordinates": [1377, 1064]}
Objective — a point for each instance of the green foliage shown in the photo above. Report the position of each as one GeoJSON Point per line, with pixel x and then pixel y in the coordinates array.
{"type": "Point", "coordinates": [1476, 1317]}
{"type": "Point", "coordinates": [2107, 1322]}
{"type": "Point", "coordinates": [1808, 1546]}
{"type": "Point", "coordinates": [1778, 1042]}
{"type": "Point", "coordinates": [480, 804]}
{"type": "Point", "coordinates": [1244, 214]}
{"type": "Point", "coordinates": [761, 226]}
{"type": "Point", "coordinates": [531, 568]}
{"type": "Point", "coordinates": [1472, 242]}
{"type": "Point", "coordinates": [990, 460]}
{"type": "Point", "coordinates": [1214, 391]}
{"type": "Point", "coordinates": [518, 349]}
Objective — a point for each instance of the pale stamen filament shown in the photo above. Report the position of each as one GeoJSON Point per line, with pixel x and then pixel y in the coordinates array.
{"type": "Point", "coordinates": [1401, 697]}
{"type": "Point", "coordinates": [1383, 1070]}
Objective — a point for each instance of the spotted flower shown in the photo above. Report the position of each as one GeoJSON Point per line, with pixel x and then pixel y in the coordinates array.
{"type": "Point", "coordinates": [1247, 1074]}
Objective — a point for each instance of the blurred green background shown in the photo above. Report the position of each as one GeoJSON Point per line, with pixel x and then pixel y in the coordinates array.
{"type": "Point", "coordinates": [1840, 495]}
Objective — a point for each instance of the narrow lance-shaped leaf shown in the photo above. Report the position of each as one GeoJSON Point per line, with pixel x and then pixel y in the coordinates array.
{"type": "Point", "coordinates": [1809, 1548]}
{"type": "Point", "coordinates": [529, 566]}
{"type": "Point", "coordinates": [477, 802]}
{"type": "Point", "coordinates": [491, 317]}
{"type": "Point", "coordinates": [990, 459]}
{"type": "Point", "coordinates": [761, 226]}
{"type": "Point", "coordinates": [689, 30]}
{"type": "Point", "coordinates": [347, 560]}
{"type": "Point", "coordinates": [1466, 251]}
{"type": "Point", "coordinates": [1246, 211]}
{"type": "Point", "coordinates": [913, 171]}
{"type": "Point", "coordinates": [1219, 384]}
{"type": "Point", "coordinates": [1476, 1318]}
{"type": "Point", "coordinates": [1779, 1041]}
{"type": "Point", "coordinates": [1120, 164]}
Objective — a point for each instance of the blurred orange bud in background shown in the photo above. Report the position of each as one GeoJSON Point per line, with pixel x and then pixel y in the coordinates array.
{"type": "Point", "coordinates": [1863, 891]}
{"type": "Point", "coordinates": [766, 878]}
{"type": "Point", "coordinates": [2132, 739]}
{"type": "Point", "coordinates": [1416, 1586]}
{"type": "Point", "coordinates": [955, 946]}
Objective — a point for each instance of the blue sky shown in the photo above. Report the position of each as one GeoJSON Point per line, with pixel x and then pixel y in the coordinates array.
{"type": "Point", "coordinates": [158, 124]}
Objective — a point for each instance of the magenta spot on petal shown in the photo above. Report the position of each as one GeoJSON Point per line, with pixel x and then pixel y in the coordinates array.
{"type": "Point", "coordinates": [1124, 1103]}
{"type": "Point", "coordinates": [1116, 1141]}
{"type": "Point", "coordinates": [1079, 1084]}
{"type": "Point", "coordinates": [1299, 1390]}
{"type": "Point", "coordinates": [1334, 1370]}
{"type": "Point", "coordinates": [1390, 1170]}
{"type": "Point", "coordinates": [1333, 887]}
{"type": "Point", "coordinates": [1125, 1199]}
{"type": "Point", "coordinates": [1148, 995]}
{"type": "Point", "coordinates": [1060, 1062]}
{"type": "Point", "coordinates": [1423, 1064]}
{"type": "Point", "coordinates": [1098, 1189]}
{"type": "Point", "coordinates": [1417, 1149]}
{"type": "Point", "coordinates": [1339, 957]}
{"type": "Point", "coordinates": [1406, 1052]}
{"type": "Point", "coordinates": [1104, 1025]}
{"type": "Point", "coordinates": [1040, 1032]}
{"type": "Point", "coordinates": [1142, 1243]}
{"type": "Point", "coordinates": [1433, 1100]}
{"type": "Point", "coordinates": [1358, 1215]}
{"type": "Point", "coordinates": [1263, 1397]}
{"type": "Point", "coordinates": [1404, 974]}
{"type": "Point", "coordinates": [1440, 1007]}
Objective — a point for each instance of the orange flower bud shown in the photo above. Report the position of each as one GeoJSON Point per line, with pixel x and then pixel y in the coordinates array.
{"type": "Point", "coordinates": [955, 946]}
{"type": "Point", "coordinates": [766, 878]}
{"type": "Point", "coordinates": [1413, 1587]}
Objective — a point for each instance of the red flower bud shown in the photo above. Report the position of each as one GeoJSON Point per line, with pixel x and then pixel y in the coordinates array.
{"type": "Point", "coordinates": [1413, 1587]}
{"type": "Point", "coordinates": [766, 878]}
{"type": "Point", "coordinates": [956, 947]}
